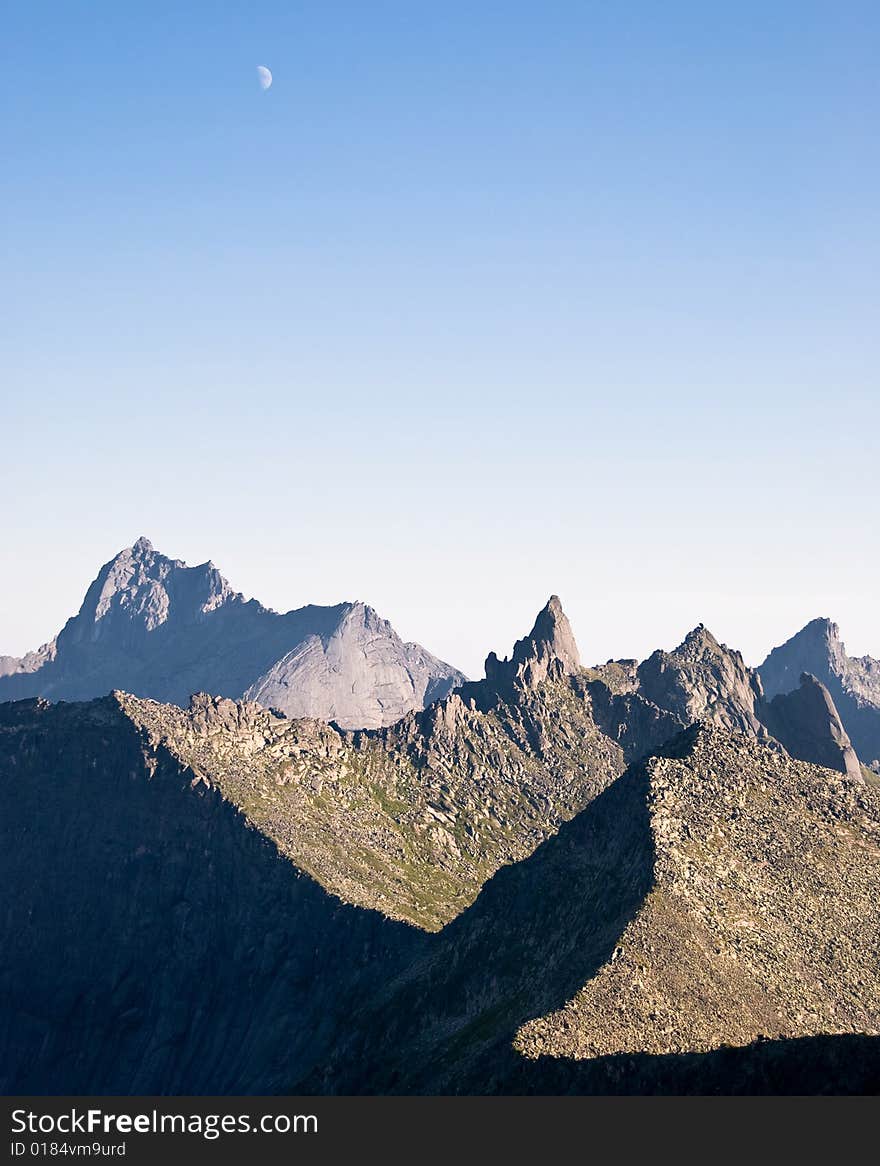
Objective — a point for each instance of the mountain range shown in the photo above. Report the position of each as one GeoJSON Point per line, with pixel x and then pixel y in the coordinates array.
{"type": "Point", "coordinates": [154, 627]}
{"type": "Point", "coordinates": [644, 877]}
{"type": "Point", "coordinates": [158, 628]}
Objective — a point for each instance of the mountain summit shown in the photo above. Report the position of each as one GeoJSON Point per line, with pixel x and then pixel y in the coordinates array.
{"type": "Point", "coordinates": [157, 628]}
{"type": "Point", "coordinates": [703, 680]}
{"type": "Point", "coordinates": [140, 589]}
{"type": "Point", "coordinates": [853, 682]}
{"type": "Point", "coordinates": [549, 648]}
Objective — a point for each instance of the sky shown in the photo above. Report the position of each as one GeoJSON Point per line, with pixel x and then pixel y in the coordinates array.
{"type": "Point", "coordinates": [479, 302]}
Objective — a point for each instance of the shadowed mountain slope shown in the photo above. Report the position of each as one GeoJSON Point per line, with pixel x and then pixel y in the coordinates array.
{"type": "Point", "coordinates": [762, 921]}
{"type": "Point", "coordinates": [152, 942]}
{"type": "Point", "coordinates": [807, 723]}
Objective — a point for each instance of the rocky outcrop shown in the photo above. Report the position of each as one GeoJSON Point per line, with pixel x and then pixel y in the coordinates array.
{"type": "Point", "coordinates": [549, 650]}
{"type": "Point", "coordinates": [703, 680]}
{"type": "Point", "coordinates": [152, 626]}
{"type": "Point", "coordinates": [854, 682]}
{"type": "Point", "coordinates": [808, 725]}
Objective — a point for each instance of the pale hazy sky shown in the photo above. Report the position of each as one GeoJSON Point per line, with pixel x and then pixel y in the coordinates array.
{"type": "Point", "coordinates": [478, 302]}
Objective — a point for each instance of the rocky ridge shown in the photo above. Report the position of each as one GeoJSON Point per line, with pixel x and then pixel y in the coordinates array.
{"type": "Point", "coordinates": [720, 895]}
{"type": "Point", "coordinates": [762, 919]}
{"type": "Point", "coordinates": [413, 818]}
{"type": "Point", "coordinates": [410, 819]}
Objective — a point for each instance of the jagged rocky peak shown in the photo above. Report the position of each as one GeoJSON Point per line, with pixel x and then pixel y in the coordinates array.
{"type": "Point", "coordinates": [143, 587]}
{"type": "Point", "coordinates": [703, 679]}
{"type": "Point", "coordinates": [153, 626]}
{"type": "Point", "coordinates": [817, 648]}
{"type": "Point", "coordinates": [853, 681]}
{"type": "Point", "coordinates": [362, 614]}
{"type": "Point", "coordinates": [823, 629]}
{"type": "Point", "coordinates": [551, 635]}
{"type": "Point", "coordinates": [549, 649]}
{"type": "Point", "coordinates": [808, 724]}
{"type": "Point", "coordinates": [362, 620]}
{"type": "Point", "coordinates": [215, 714]}
{"type": "Point", "coordinates": [700, 645]}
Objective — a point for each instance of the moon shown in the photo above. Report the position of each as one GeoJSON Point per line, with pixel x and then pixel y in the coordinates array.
{"type": "Point", "coordinates": [264, 76]}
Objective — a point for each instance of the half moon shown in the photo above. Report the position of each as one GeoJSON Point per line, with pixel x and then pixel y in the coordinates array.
{"type": "Point", "coordinates": [264, 76]}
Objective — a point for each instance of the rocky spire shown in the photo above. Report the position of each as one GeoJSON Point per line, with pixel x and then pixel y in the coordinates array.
{"type": "Point", "coordinates": [551, 636]}
{"type": "Point", "coordinates": [548, 650]}
{"type": "Point", "coordinates": [808, 724]}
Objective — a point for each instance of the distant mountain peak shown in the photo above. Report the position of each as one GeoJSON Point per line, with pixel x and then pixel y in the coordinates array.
{"type": "Point", "coordinates": [142, 587]}
{"type": "Point", "coordinates": [853, 682]}
{"type": "Point", "coordinates": [816, 649]}
{"type": "Point", "coordinates": [699, 639]}
{"type": "Point", "coordinates": [361, 615]}
{"type": "Point", "coordinates": [820, 628]}
{"type": "Point", "coordinates": [161, 629]}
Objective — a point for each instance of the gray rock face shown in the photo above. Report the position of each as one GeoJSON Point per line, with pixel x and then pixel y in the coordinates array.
{"type": "Point", "coordinates": [548, 651]}
{"type": "Point", "coordinates": [637, 725]}
{"type": "Point", "coordinates": [703, 680]}
{"type": "Point", "coordinates": [809, 726]}
{"type": "Point", "coordinates": [854, 682]}
{"type": "Point", "coordinates": [361, 676]}
{"type": "Point", "coordinates": [157, 628]}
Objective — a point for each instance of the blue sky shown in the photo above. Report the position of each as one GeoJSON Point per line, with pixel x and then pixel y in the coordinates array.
{"type": "Point", "coordinates": [478, 302]}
